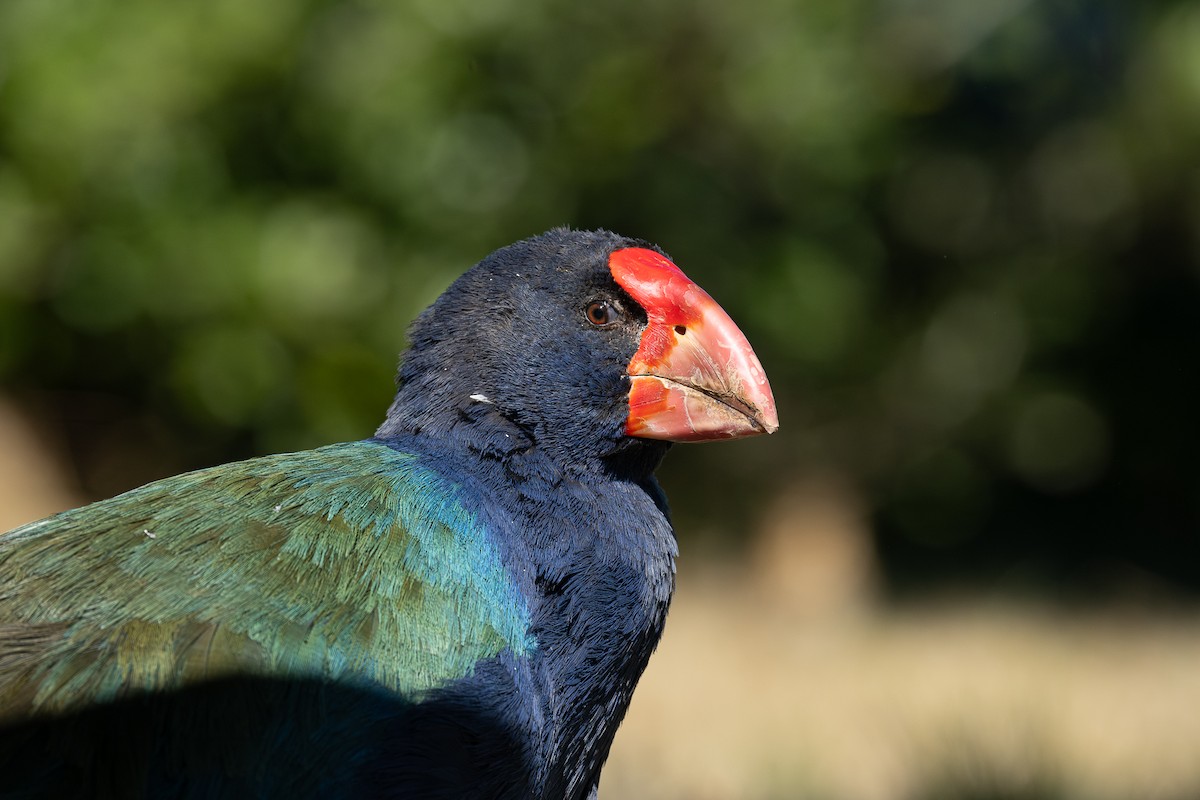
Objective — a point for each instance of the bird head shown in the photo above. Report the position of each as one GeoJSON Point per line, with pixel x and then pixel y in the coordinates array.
{"type": "Point", "coordinates": [588, 344]}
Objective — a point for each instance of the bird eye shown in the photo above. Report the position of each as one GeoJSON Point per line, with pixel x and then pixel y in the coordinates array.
{"type": "Point", "coordinates": [602, 313]}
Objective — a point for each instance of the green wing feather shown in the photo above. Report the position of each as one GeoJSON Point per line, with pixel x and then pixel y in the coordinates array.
{"type": "Point", "coordinates": [350, 563]}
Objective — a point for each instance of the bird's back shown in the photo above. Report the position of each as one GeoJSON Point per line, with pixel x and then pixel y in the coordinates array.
{"type": "Point", "coordinates": [282, 613]}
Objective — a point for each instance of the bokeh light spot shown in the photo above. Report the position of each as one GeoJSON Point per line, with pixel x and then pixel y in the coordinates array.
{"type": "Point", "coordinates": [1058, 442]}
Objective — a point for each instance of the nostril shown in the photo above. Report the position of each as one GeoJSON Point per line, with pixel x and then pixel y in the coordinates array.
{"type": "Point", "coordinates": [680, 330]}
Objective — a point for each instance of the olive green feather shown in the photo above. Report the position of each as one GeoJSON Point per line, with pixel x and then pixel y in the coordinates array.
{"type": "Point", "coordinates": [348, 563]}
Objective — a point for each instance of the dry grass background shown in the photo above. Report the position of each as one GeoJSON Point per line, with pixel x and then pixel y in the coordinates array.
{"type": "Point", "coordinates": [784, 677]}
{"type": "Point", "coordinates": [968, 700]}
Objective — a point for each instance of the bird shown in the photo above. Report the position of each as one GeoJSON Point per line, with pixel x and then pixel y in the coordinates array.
{"type": "Point", "coordinates": [459, 606]}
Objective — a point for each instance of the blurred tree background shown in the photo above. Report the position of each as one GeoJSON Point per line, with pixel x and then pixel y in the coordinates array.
{"type": "Point", "coordinates": [964, 238]}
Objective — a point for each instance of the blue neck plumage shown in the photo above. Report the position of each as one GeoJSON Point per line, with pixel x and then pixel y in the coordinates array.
{"type": "Point", "coordinates": [591, 446]}
{"type": "Point", "coordinates": [602, 553]}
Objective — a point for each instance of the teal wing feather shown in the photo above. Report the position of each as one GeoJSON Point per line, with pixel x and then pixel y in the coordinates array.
{"type": "Point", "coordinates": [348, 563]}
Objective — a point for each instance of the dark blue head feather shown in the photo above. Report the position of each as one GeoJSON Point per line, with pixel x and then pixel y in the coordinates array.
{"type": "Point", "coordinates": [507, 359]}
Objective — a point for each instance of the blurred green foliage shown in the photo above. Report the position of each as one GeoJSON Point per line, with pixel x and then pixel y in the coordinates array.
{"type": "Point", "coordinates": [962, 236]}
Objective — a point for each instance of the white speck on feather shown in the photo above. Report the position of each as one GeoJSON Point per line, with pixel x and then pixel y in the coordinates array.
{"type": "Point", "coordinates": [481, 398]}
{"type": "Point", "coordinates": [278, 507]}
{"type": "Point", "coordinates": [150, 535]}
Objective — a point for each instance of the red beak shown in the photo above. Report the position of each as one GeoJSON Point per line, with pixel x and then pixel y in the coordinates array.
{"type": "Point", "coordinates": [694, 377]}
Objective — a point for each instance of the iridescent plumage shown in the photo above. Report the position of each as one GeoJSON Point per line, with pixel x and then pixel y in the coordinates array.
{"type": "Point", "coordinates": [458, 607]}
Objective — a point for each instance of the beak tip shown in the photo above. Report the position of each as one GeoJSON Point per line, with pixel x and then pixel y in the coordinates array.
{"type": "Point", "coordinates": [768, 422]}
{"type": "Point", "coordinates": [762, 400]}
